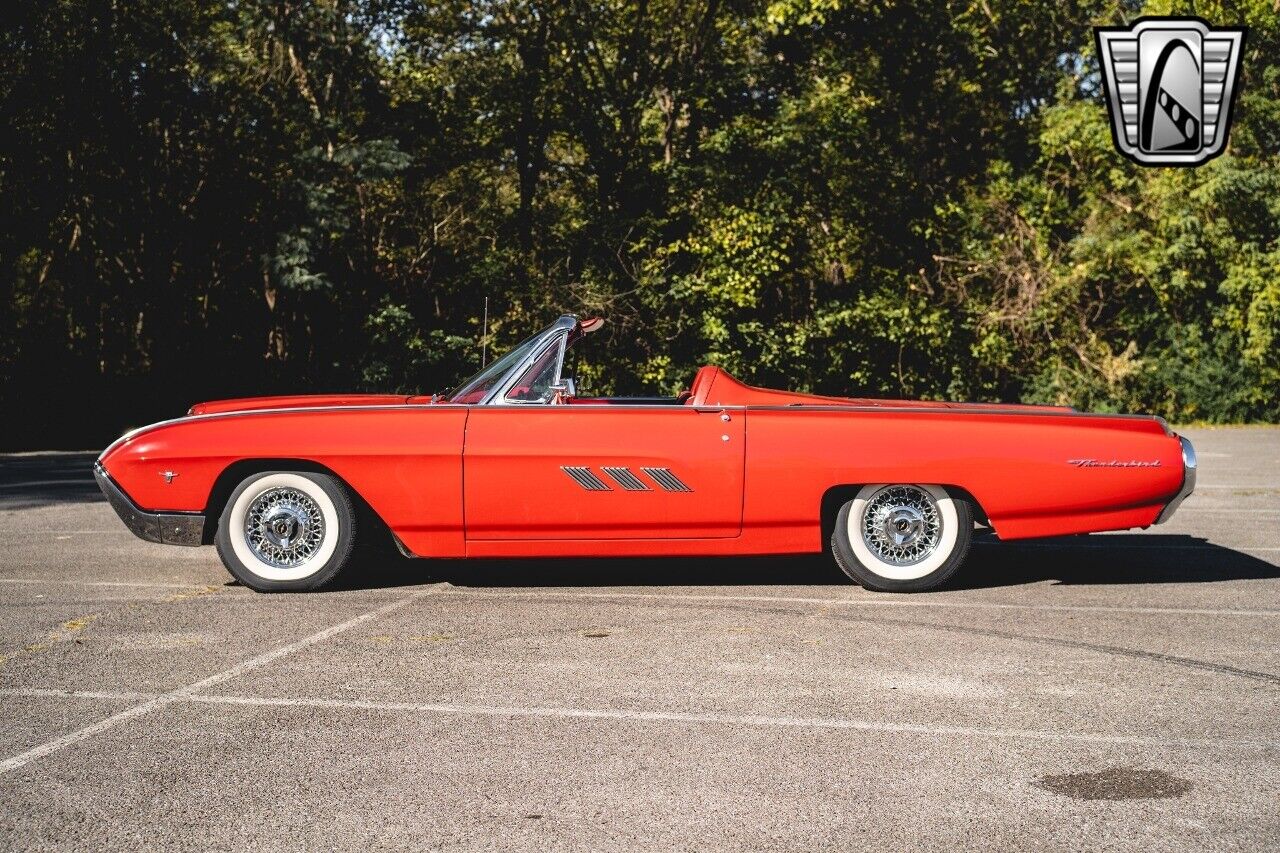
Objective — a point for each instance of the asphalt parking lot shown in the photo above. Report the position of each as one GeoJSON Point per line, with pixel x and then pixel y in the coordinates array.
{"type": "Point", "coordinates": [1108, 692]}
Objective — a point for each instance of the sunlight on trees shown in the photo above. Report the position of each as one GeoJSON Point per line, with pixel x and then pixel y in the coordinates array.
{"type": "Point", "coordinates": [207, 198]}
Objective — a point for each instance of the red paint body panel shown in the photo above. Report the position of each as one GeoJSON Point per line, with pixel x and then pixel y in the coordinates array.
{"type": "Point", "coordinates": [485, 481]}
{"type": "Point", "coordinates": [516, 488]}
{"type": "Point", "coordinates": [1015, 466]}
{"type": "Point", "coordinates": [405, 461]}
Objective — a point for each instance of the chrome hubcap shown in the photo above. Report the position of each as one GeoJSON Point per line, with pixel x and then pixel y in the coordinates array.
{"type": "Point", "coordinates": [284, 527]}
{"type": "Point", "coordinates": [901, 525]}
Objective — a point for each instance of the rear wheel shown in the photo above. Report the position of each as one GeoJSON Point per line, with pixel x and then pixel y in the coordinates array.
{"type": "Point", "coordinates": [284, 531]}
{"type": "Point", "coordinates": [902, 537]}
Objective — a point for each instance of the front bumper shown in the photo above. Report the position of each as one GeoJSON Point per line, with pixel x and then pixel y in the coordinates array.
{"type": "Point", "coordinates": [169, 528]}
{"type": "Point", "coordinates": [1188, 482]}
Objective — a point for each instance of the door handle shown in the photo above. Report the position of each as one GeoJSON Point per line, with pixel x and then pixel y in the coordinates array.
{"type": "Point", "coordinates": [725, 417]}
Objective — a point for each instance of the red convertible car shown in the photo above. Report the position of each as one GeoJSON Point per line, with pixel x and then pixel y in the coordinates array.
{"type": "Point", "coordinates": [515, 464]}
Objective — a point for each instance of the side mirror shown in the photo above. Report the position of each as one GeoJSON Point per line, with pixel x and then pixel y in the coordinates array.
{"type": "Point", "coordinates": [565, 389]}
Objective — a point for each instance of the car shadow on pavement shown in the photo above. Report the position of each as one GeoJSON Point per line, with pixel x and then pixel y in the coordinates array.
{"type": "Point", "coordinates": [1113, 558]}
{"type": "Point", "coordinates": [34, 480]}
{"type": "Point", "coordinates": [382, 568]}
{"type": "Point", "coordinates": [1106, 559]}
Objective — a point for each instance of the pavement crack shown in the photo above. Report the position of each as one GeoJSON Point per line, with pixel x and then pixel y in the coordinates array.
{"type": "Point", "coordinates": [1103, 648]}
{"type": "Point", "coordinates": [778, 605]}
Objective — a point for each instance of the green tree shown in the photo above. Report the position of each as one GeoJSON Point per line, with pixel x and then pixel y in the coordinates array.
{"type": "Point", "coordinates": [203, 198]}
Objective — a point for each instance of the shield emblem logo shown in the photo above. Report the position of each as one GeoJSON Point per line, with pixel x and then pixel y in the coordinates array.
{"type": "Point", "coordinates": [1169, 84]}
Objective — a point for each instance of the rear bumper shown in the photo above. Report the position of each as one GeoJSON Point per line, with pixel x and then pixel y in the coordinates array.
{"type": "Point", "coordinates": [1188, 482]}
{"type": "Point", "coordinates": [169, 528]}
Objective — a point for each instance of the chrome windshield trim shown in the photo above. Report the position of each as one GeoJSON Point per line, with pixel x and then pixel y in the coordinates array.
{"type": "Point", "coordinates": [526, 364]}
{"type": "Point", "coordinates": [1188, 481]}
{"type": "Point", "coordinates": [563, 326]}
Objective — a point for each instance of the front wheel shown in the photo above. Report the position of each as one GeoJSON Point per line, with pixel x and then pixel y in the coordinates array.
{"type": "Point", "coordinates": [285, 531]}
{"type": "Point", "coordinates": [902, 537]}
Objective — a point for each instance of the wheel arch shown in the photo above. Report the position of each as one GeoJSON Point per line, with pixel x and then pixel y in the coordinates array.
{"type": "Point", "coordinates": [838, 495]}
{"type": "Point", "coordinates": [232, 475]}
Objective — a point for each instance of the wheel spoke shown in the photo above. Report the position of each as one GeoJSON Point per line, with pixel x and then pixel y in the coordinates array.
{"type": "Point", "coordinates": [284, 527]}
{"type": "Point", "coordinates": [901, 525]}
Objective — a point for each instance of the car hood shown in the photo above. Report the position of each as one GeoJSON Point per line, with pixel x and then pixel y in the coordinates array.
{"type": "Point", "coordinates": [296, 401]}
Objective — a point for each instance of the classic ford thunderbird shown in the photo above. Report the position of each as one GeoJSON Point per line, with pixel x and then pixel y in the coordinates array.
{"type": "Point", "coordinates": [515, 463]}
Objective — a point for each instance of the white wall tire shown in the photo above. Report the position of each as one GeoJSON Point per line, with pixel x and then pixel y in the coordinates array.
{"type": "Point", "coordinates": [286, 531]}
{"type": "Point", "coordinates": [900, 537]}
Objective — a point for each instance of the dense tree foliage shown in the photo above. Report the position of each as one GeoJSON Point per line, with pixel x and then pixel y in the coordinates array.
{"type": "Point", "coordinates": [223, 197]}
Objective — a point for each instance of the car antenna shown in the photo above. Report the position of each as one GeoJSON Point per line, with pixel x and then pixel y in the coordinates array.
{"type": "Point", "coordinates": [484, 336]}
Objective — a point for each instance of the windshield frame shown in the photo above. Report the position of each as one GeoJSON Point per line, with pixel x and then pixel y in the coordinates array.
{"type": "Point", "coordinates": [559, 344]}
{"type": "Point", "coordinates": [516, 362]}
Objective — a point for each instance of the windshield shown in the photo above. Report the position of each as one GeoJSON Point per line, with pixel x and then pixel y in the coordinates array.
{"type": "Point", "coordinates": [536, 384]}
{"type": "Point", "coordinates": [475, 389]}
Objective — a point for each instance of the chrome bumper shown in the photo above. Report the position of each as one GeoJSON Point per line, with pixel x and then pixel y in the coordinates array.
{"type": "Point", "coordinates": [169, 528]}
{"type": "Point", "coordinates": [1188, 482]}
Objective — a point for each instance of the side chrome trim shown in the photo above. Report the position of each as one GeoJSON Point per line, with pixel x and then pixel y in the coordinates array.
{"type": "Point", "coordinates": [669, 482]}
{"type": "Point", "coordinates": [666, 407]}
{"type": "Point", "coordinates": [1188, 481]}
{"type": "Point", "coordinates": [583, 476]}
{"type": "Point", "coordinates": [401, 547]}
{"type": "Point", "coordinates": [427, 407]}
{"type": "Point", "coordinates": [623, 477]}
{"type": "Point", "coordinates": [169, 528]}
{"type": "Point", "coordinates": [809, 409]}
{"type": "Point", "coordinates": [942, 410]}
{"type": "Point", "coordinates": [294, 410]}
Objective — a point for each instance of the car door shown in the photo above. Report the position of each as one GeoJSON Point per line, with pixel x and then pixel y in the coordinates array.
{"type": "Point", "coordinates": [603, 472]}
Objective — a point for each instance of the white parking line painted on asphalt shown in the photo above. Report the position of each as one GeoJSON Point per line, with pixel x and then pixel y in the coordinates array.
{"type": "Point", "coordinates": [182, 693]}
{"type": "Point", "coordinates": [1219, 510]}
{"type": "Point", "coordinates": [48, 693]}
{"type": "Point", "coordinates": [660, 716]}
{"type": "Point", "coordinates": [62, 532]}
{"type": "Point", "coordinates": [1080, 546]}
{"type": "Point", "coordinates": [1265, 487]}
{"type": "Point", "coordinates": [59, 582]}
{"type": "Point", "coordinates": [881, 601]}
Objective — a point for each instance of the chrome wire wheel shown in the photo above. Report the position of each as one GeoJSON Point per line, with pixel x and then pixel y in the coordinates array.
{"type": "Point", "coordinates": [284, 527]}
{"type": "Point", "coordinates": [286, 530]}
{"type": "Point", "coordinates": [901, 525]}
{"type": "Point", "coordinates": [901, 537]}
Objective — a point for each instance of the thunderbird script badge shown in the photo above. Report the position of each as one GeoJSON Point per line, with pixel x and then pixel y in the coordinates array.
{"type": "Point", "coordinates": [1169, 85]}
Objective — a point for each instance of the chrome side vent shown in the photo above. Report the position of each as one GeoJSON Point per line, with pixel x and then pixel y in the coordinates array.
{"type": "Point", "coordinates": [584, 477]}
{"type": "Point", "coordinates": [623, 477]}
{"type": "Point", "coordinates": [663, 477]}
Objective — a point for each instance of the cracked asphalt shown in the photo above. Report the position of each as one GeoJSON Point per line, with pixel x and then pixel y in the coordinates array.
{"type": "Point", "coordinates": [1108, 692]}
